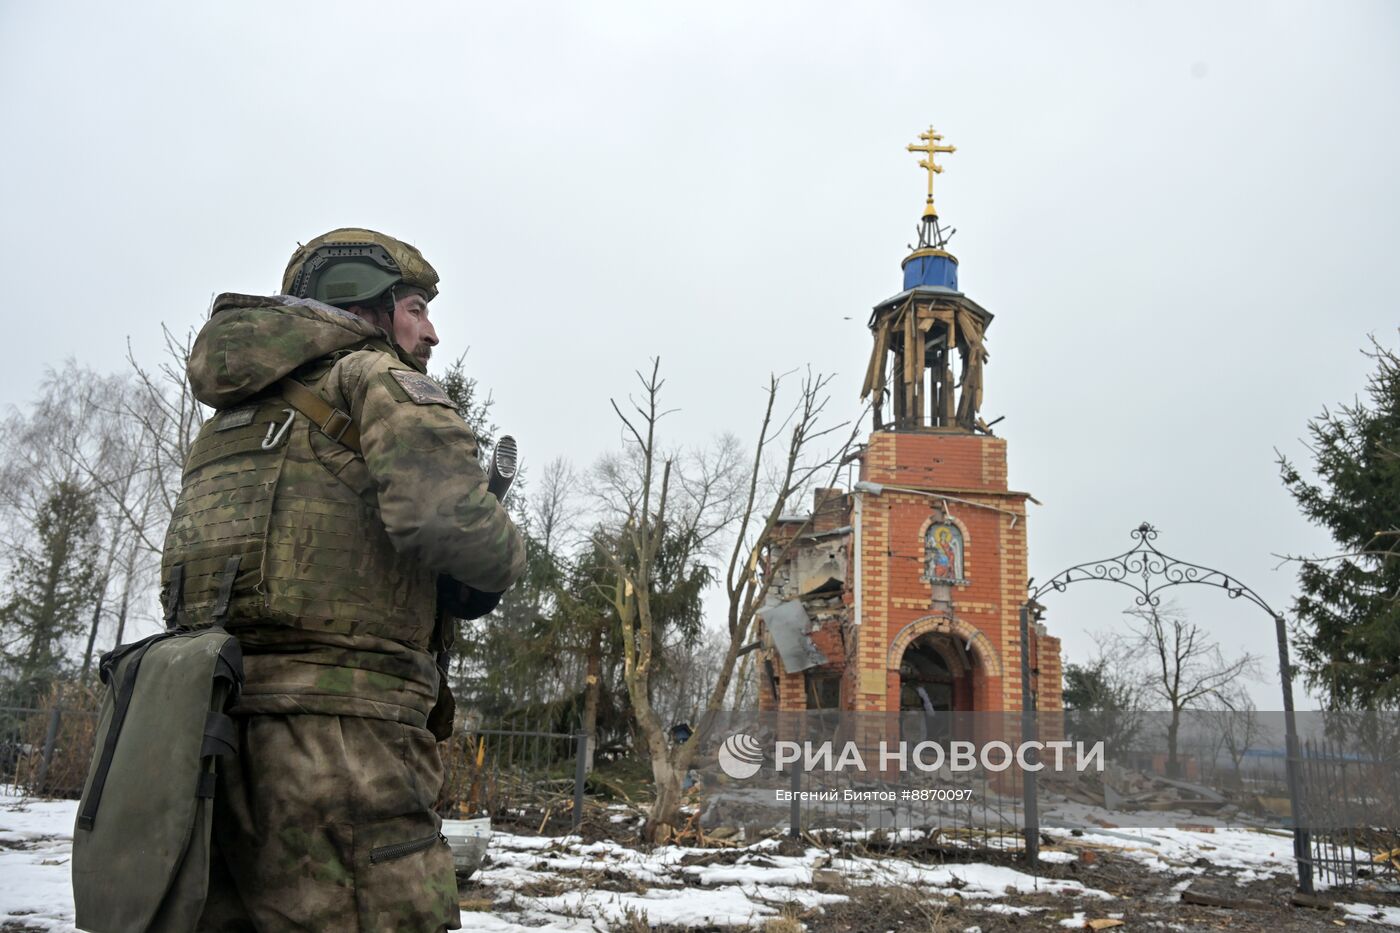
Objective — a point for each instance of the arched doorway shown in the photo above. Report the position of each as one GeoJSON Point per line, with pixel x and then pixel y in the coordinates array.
{"type": "Point", "coordinates": [952, 661]}
{"type": "Point", "coordinates": [931, 677]}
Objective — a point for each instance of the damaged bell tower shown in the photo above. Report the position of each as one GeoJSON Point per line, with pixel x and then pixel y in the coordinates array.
{"type": "Point", "coordinates": [903, 593]}
{"type": "Point", "coordinates": [919, 332]}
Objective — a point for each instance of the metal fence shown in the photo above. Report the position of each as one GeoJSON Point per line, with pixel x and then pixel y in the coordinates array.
{"type": "Point", "coordinates": [1350, 805]}
{"type": "Point", "coordinates": [974, 810]}
{"type": "Point", "coordinates": [513, 773]}
{"type": "Point", "coordinates": [508, 771]}
{"type": "Point", "coordinates": [45, 752]}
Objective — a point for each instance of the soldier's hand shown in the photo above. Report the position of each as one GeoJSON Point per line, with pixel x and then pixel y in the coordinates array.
{"type": "Point", "coordinates": [463, 602]}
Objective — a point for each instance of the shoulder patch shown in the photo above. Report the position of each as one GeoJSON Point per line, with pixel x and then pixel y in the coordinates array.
{"type": "Point", "coordinates": [232, 418]}
{"type": "Point", "coordinates": [420, 389]}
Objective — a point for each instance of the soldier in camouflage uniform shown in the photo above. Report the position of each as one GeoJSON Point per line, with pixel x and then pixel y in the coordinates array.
{"type": "Point", "coordinates": [330, 507]}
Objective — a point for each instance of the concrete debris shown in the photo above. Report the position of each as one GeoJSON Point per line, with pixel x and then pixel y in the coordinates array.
{"type": "Point", "coordinates": [1202, 899]}
{"type": "Point", "coordinates": [1119, 788]}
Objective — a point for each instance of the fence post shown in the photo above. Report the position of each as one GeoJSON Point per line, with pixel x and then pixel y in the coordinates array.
{"type": "Point", "coordinates": [1031, 805]}
{"type": "Point", "coordinates": [1302, 843]}
{"type": "Point", "coordinates": [795, 808]}
{"type": "Point", "coordinates": [50, 739]}
{"type": "Point", "coordinates": [580, 774]}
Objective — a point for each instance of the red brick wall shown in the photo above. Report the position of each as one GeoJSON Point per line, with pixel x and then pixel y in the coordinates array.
{"type": "Point", "coordinates": [1051, 683]}
{"type": "Point", "coordinates": [968, 467]}
{"type": "Point", "coordinates": [830, 510]}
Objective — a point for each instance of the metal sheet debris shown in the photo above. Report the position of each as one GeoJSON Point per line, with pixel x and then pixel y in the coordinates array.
{"type": "Point", "coordinates": [789, 623]}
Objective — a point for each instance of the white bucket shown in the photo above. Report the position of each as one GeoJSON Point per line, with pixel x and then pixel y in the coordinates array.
{"type": "Point", "coordinates": [468, 840]}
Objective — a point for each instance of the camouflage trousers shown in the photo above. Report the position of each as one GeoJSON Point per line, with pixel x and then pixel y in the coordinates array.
{"type": "Point", "coordinates": [326, 823]}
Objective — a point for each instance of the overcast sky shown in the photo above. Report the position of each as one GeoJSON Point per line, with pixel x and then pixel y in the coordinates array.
{"type": "Point", "coordinates": [1183, 216]}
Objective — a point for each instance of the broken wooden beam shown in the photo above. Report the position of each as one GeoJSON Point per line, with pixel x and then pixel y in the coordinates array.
{"type": "Point", "coordinates": [1228, 903]}
{"type": "Point", "coordinates": [1299, 899]}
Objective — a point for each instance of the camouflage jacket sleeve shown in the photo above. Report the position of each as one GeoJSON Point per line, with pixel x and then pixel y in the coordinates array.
{"type": "Point", "coordinates": [432, 490]}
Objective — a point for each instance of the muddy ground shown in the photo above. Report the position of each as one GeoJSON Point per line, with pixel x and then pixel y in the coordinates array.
{"type": "Point", "coordinates": [1143, 898]}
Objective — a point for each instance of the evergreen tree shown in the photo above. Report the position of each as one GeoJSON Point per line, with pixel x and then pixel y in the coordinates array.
{"type": "Point", "coordinates": [474, 409]}
{"type": "Point", "coordinates": [557, 627]}
{"type": "Point", "coordinates": [551, 649]}
{"type": "Point", "coordinates": [1349, 608]}
{"type": "Point", "coordinates": [1102, 703]}
{"type": "Point", "coordinates": [508, 661]}
{"type": "Point", "coordinates": [52, 585]}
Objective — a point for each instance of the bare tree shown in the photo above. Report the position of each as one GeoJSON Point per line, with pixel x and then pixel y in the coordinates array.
{"type": "Point", "coordinates": [39, 446]}
{"type": "Point", "coordinates": [554, 506]}
{"type": "Point", "coordinates": [169, 418]}
{"type": "Point", "coordinates": [1103, 698]}
{"type": "Point", "coordinates": [136, 430]}
{"type": "Point", "coordinates": [159, 417]}
{"type": "Point", "coordinates": [120, 439]}
{"type": "Point", "coordinates": [116, 467]}
{"type": "Point", "coordinates": [1183, 667]}
{"type": "Point", "coordinates": [683, 687]}
{"type": "Point", "coordinates": [706, 497]}
{"type": "Point", "coordinates": [46, 453]}
{"type": "Point", "coordinates": [1237, 725]}
{"type": "Point", "coordinates": [745, 692]}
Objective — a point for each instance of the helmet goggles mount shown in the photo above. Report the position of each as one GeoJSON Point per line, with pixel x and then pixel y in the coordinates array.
{"type": "Point", "coordinates": [341, 273]}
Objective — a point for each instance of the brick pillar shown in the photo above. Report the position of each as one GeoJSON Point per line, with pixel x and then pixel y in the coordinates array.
{"type": "Point", "coordinates": [1051, 675]}
{"type": "Point", "coordinates": [792, 691]}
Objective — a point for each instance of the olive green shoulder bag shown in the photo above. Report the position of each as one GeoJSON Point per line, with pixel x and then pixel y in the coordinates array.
{"type": "Point", "coordinates": [141, 843]}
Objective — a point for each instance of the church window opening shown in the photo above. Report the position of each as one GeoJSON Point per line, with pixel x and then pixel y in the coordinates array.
{"type": "Point", "coordinates": [823, 690]}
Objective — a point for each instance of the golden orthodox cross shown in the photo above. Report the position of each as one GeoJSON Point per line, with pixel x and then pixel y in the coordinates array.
{"type": "Point", "coordinates": [930, 148]}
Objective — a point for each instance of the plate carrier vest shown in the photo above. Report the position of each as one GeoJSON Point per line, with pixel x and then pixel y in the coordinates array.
{"type": "Point", "coordinates": [278, 523]}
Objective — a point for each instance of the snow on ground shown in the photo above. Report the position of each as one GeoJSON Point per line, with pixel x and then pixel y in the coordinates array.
{"type": "Point", "coordinates": [1245, 853]}
{"type": "Point", "coordinates": [752, 889]}
{"type": "Point", "coordinates": [1369, 912]}
{"type": "Point", "coordinates": [546, 885]}
{"type": "Point", "coordinates": [970, 881]}
{"type": "Point", "coordinates": [36, 844]}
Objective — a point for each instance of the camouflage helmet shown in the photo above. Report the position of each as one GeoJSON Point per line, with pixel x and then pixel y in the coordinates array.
{"type": "Point", "coordinates": [352, 265]}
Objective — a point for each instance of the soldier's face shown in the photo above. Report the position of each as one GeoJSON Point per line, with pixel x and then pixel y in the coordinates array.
{"type": "Point", "coordinates": [412, 329]}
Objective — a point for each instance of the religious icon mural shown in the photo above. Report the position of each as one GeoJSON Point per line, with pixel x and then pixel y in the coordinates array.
{"type": "Point", "coordinates": [943, 546]}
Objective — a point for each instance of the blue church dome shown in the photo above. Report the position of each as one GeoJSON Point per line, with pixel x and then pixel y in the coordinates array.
{"type": "Point", "coordinates": [929, 266]}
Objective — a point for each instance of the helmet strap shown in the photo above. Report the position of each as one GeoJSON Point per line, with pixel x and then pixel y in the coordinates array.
{"type": "Point", "coordinates": [393, 305]}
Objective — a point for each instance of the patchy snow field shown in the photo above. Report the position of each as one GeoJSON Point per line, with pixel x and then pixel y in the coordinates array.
{"type": "Point", "coordinates": [753, 889]}
{"type": "Point", "coordinates": [547, 884]}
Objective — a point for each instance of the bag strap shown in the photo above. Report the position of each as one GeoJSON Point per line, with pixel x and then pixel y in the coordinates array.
{"type": "Point", "coordinates": [229, 666]}
{"type": "Point", "coordinates": [88, 817]}
{"type": "Point", "coordinates": [226, 580]}
{"type": "Point", "coordinates": [220, 732]}
{"type": "Point", "coordinates": [339, 426]}
{"type": "Point", "coordinates": [220, 735]}
{"type": "Point", "coordinates": [176, 595]}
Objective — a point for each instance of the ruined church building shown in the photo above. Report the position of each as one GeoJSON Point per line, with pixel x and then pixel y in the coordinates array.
{"type": "Point", "coordinates": [904, 592]}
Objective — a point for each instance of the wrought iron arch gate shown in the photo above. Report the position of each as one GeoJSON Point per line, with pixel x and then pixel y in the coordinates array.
{"type": "Point", "coordinates": [1148, 571]}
